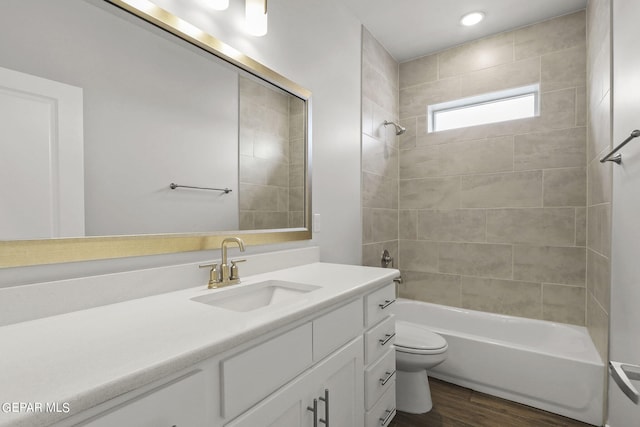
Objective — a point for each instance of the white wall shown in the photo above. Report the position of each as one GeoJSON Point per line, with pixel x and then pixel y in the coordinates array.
{"type": "Point", "coordinates": [315, 43]}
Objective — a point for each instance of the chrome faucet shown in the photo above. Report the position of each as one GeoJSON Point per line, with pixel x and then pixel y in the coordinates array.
{"type": "Point", "coordinates": [228, 274]}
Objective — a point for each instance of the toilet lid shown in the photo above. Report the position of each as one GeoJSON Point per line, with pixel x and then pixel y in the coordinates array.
{"type": "Point", "coordinates": [411, 336]}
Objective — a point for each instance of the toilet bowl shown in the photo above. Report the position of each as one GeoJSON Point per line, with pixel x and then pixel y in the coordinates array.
{"type": "Point", "coordinates": [417, 349]}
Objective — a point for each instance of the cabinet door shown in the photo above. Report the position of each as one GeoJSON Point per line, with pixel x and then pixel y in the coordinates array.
{"type": "Point", "coordinates": [284, 408]}
{"type": "Point", "coordinates": [341, 394]}
{"type": "Point", "coordinates": [181, 403]}
{"type": "Point", "coordinates": [340, 373]}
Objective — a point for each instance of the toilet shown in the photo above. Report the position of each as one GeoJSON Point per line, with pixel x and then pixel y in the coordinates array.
{"type": "Point", "coordinates": [417, 349]}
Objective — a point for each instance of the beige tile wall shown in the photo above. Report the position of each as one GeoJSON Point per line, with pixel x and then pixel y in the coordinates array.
{"type": "Point", "coordinates": [599, 176]}
{"type": "Point", "coordinates": [271, 161]}
{"type": "Point", "coordinates": [493, 217]}
{"type": "Point", "coordinates": [380, 159]}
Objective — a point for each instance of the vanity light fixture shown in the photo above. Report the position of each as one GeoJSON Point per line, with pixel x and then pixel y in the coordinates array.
{"type": "Point", "coordinates": [256, 17]}
{"type": "Point", "coordinates": [220, 4]}
{"type": "Point", "coordinates": [472, 18]}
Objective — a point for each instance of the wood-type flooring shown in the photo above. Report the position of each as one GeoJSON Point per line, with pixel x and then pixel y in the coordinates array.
{"type": "Point", "coordinates": [455, 406]}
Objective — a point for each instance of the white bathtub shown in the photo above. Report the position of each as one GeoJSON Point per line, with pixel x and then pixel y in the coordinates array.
{"type": "Point", "coordinates": [551, 366]}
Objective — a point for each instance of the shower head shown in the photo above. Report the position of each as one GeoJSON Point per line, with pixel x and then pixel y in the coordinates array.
{"type": "Point", "coordinates": [399, 129]}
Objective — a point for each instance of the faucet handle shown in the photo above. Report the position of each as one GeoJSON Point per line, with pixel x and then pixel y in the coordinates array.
{"type": "Point", "coordinates": [213, 274]}
{"type": "Point", "coordinates": [235, 273]}
{"type": "Point", "coordinates": [207, 265]}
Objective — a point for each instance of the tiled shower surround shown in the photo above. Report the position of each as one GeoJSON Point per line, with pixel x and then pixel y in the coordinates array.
{"type": "Point", "coordinates": [599, 175]}
{"type": "Point", "coordinates": [490, 217]}
{"type": "Point", "coordinates": [379, 152]}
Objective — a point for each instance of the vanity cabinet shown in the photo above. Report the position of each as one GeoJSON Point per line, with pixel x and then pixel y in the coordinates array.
{"type": "Point", "coordinates": [331, 390]}
{"type": "Point", "coordinates": [353, 386]}
{"type": "Point", "coordinates": [380, 358]}
{"type": "Point", "coordinates": [329, 345]}
{"type": "Point", "coordinates": [247, 377]}
{"type": "Point", "coordinates": [336, 368]}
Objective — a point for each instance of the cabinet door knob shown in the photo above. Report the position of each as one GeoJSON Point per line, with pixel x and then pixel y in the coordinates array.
{"type": "Point", "coordinates": [325, 399]}
{"type": "Point", "coordinates": [386, 339]}
{"type": "Point", "coordinates": [388, 414]}
{"type": "Point", "coordinates": [389, 375]}
{"type": "Point", "coordinates": [386, 303]}
{"type": "Point", "coordinates": [314, 409]}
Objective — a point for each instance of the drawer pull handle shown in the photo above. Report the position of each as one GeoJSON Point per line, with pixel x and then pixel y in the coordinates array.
{"type": "Point", "coordinates": [386, 303]}
{"type": "Point", "coordinates": [314, 409]}
{"type": "Point", "coordinates": [386, 339]}
{"type": "Point", "coordinates": [389, 375]}
{"type": "Point", "coordinates": [389, 413]}
{"type": "Point", "coordinates": [325, 399]}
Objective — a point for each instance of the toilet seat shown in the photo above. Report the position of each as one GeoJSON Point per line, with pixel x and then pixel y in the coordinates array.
{"type": "Point", "coordinates": [415, 339]}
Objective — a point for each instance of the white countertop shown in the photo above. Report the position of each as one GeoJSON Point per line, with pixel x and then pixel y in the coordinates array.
{"type": "Point", "coordinates": [87, 357]}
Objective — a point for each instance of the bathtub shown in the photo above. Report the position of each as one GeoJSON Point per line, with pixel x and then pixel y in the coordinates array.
{"type": "Point", "coordinates": [551, 366]}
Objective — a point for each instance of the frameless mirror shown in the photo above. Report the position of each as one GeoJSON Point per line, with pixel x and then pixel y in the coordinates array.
{"type": "Point", "coordinates": [113, 126]}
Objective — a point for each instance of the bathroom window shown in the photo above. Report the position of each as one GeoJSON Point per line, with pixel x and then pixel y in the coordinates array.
{"type": "Point", "coordinates": [511, 104]}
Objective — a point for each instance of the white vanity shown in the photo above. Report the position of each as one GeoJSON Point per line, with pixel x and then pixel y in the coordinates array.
{"type": "Point", "coordinates": [309, 345]}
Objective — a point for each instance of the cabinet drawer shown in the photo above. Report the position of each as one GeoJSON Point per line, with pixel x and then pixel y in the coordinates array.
{"type": "Point", "coordinates": [180, 403]}
{"type": "Point", "coordinates": [336, 328]}
{"type": "Point", "coordinates": [384, 411]}
{"type": "Point", "coordinates": [250, 376]}
{"type": "Point", "coordinates": [379, 377]}
{"type": "Point", "coordinates": [379, 339]}
{"type": "Point", "coordinates": [377, 304]}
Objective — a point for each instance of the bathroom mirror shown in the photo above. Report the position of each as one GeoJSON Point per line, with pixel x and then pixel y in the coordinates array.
{"type": "Point", "coordinates": [126, 132]}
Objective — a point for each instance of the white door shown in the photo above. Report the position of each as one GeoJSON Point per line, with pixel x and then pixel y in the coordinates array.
{"type": "Point", "coordinates": [625, 257]}
{"type": "Point", "coordinates": [41, 158]}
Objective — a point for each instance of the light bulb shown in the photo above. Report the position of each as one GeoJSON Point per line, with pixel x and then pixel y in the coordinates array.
{"type": "Point", "coordinates": [471, 18]}
{"type": "Point", "coordinates": [256, 17]}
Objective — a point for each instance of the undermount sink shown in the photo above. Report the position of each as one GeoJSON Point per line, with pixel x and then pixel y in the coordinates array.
{"type": "Point", "coordinates": [257, 295]}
